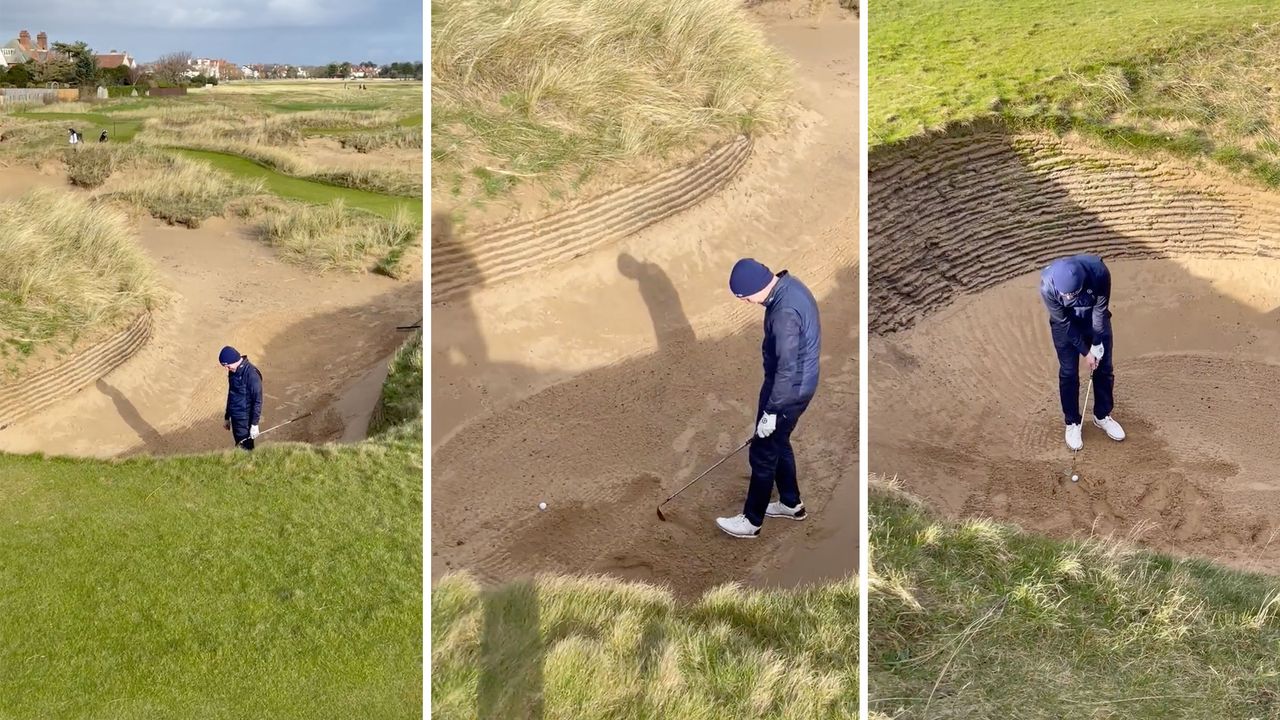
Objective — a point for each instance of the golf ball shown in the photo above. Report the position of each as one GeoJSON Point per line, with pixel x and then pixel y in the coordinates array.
{"type": "Point", "coordinates": [542, 506]}
{"type": "Point", "coordinates": [1074, 478]}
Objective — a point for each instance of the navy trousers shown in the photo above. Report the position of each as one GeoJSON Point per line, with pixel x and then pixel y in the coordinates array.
{"type": "Point", "coordinates": [240, 431]}
{"type": "Point", "coordinates": [1069, 380]}
{"type": "Point", "coordinates": [773, 463]}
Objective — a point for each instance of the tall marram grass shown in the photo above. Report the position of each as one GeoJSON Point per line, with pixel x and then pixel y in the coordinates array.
{"type": "Point", "coordinates": [186, 192]}
{"type": "Point", "coordinates": [67, 267]}
{"type": "Point", "coordinates": [974, 618]}
{"type": "Point", "coordinates": [552, 90]}
{"type": "Point", "coordinates": [592, 648]}
{"type": "Point", "coordinates": [331, 237]}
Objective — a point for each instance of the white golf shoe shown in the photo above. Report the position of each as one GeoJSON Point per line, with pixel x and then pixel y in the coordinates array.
{"type": "Point", "coordinates": [778, 510]}
{"type": "Point", "coordinates": [1110, 427]}
{"type": "Point", "coordinates": [738, 526]}
{"type": "Point", "coordinates": [1074, 439]}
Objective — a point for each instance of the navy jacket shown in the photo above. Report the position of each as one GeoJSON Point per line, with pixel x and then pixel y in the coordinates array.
{"type": "Point", "coordinates": [792, 345]}
{"type": "Point", "coordinates": [244, 393]}
{"type": "Point", "coordinates": [1088, 315]}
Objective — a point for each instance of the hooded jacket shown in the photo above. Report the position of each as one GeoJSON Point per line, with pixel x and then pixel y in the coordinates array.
{"type": "Point", "coordinates": [1087, 317]}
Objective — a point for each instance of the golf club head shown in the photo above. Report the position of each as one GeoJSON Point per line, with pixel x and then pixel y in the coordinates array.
{"type": "Point", "coordinates": [661, 517]}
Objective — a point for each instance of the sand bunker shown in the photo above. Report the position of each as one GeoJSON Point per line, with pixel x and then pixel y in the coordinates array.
{"type": "Point", "coordinates": [963, 404]}
{"type": "Point", "coordinates": [604, 399]}
{"type": "Point", "coordinates": [322, 343]}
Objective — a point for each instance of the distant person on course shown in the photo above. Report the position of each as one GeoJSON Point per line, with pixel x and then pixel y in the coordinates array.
{"type": "Point", "coordinates": [244, 397]}
{"type": "Point", "coordinates": [791, 349]}
{"type": "Point", "coordinates": [1077, 292]}
{"type": "Point", "coordinates": [74, 137]}
{"type": "Point", "coordinates": [102, 137]}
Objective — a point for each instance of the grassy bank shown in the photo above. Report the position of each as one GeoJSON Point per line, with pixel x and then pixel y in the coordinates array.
{"type": "Point", "coordinates": [976, 619]}
{"type": "Point", "coordinates": [68, 268]}
{"type": "Point", "coordinates": [589, 648]}
{"type": "Point", "coordinates": [552, 92]}
{"type": "Point", "coordinates": [330, 237]}
{"type": "Point", "coordinates": [286, 584]}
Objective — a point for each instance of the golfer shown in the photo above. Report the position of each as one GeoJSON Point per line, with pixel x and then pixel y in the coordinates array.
{"type": "Point", "coordinates": [1077, 292]}
{"type": "Point", "coordinates": [73, 137]}
{"type": "Point", "coordinates": [244, 397]}
{"type": "Point", "coordinates": [791, 348]}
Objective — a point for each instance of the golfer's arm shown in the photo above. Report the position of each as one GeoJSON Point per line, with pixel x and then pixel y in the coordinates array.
{"type": "Point", "coordinates": [1101, 318]}
{"type": "Point", "coordinates": [255, 397]}
{"type": "Point", "coordinates": [786, 344]}
{"type": "Point", "coordinates": [1060, 327]}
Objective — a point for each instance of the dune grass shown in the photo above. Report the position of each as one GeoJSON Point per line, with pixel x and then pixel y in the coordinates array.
{"type": "Point", "coordinates": [589, 648]}
{"type": "Point", "coordinates": [68, 267]}
{"type": "Point", "coordinates": [185, 192]}
{"type": "Point", "coordinates": [401, 137]}
{"type": "Point", "coordinates": [282, 584]}
{"type": "Point", "coordinates": [976, 619]}
{"type": "Point", "coordinates": [552, 91]}
{"type": "Point", "coordinates": [330, 237]}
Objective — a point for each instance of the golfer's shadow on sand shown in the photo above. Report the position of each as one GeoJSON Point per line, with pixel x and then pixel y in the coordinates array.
{"type": "Point", "coordinates": [145, 430]}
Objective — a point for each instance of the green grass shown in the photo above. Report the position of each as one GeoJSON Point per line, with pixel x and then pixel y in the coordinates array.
{"type": "Point", "coordinates": [402, 392]}
{"type": "Point", "coordinates": [933, 62]}
{"type": "Point", "coordinates": [306, 190]}
{"type": "Point", "coordinates": [977, 619]}
{"type": "Point", "coordinates": [552, 92]}
{"type": "Point", "coordinates": [588, 648]}
{"type": "Point", "coordinates": [68, 268]}
{"type": "Point", "coordinates": [282, 584]}
{"type": "Point", "coordinates": [92, 125]}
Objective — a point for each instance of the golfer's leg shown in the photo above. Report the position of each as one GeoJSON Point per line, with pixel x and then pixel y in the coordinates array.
{"type": "Point", "coordinates": [785, 475]}
{"type": "Point", "coordinates": [763, 456]}
{"type": "Point", "coordinates": [1104, 379]}
{"type": "Point", "coordinates": [239, 432]}
{"type": "Point", "coordinates": [1069, 384]}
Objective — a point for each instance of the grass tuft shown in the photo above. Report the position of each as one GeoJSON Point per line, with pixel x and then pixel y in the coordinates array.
{"type": "Point", "coordinates": [331, 237]}
{"type": "Point", "coordinates": [185, 192]}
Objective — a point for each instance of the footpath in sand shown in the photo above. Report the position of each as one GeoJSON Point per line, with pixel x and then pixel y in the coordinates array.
{"type": "Point", "coordinates": [963, 376]}
{"type": "Point", "coordinates": [602, 383]}
{"type": "Point", "coordinates": [322, 343]}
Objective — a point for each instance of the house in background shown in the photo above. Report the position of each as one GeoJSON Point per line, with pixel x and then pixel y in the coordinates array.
{"type": "Point", "coordinates": [21, 49]}
{"type": "Point", "coordinates": [115, 59]}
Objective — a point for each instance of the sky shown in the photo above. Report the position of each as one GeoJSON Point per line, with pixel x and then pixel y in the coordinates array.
{"type": "Point", "coordinates": [295, 32]}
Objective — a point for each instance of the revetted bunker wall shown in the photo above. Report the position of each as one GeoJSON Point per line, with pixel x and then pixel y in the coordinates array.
{"type": "Point", "coordinates": [978, 205]}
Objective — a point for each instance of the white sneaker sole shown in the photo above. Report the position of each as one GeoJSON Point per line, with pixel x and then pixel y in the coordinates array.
{"type": "Point", "coordinates": [737, 535]}
{"type": "Point", "coordinates": [1104, 430]}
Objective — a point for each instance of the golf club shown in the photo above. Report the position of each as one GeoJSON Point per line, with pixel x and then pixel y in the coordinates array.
{"type": "Point", "coordinates": [273, 427]}
{"type": "Point", "coordinates": [662, 517]}
{"type": "Point", "coordinates": [1083, 409]}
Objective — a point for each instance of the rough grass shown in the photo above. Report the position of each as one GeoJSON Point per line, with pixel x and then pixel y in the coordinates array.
{"type": "Point", "coordinates": [590, 647]}
{"type": "Point", "coordinates": [68, 267]}
{"type": "Point", "coordinates": [286, 584]}
{"type": "Point", "coordinates": [977, 619]}
{"type": "Point", "coordinates": [551, 91]}
{"type": "Point", "coordinates": [404, 137]}
{"type": "Point", "coordinates": [331, 237]}
{"type": "Point", "coordinates": [932, 62]}
{"type": "Point", "coordinates": [185, 192]}
{"type": "Point", "coordinates": [401, 398]}
{"type": "Point", "coordinates": [91, 165]}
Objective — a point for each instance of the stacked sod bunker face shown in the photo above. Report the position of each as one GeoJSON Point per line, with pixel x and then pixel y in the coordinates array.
{"type": "Point", "coordinates": [963, 376]}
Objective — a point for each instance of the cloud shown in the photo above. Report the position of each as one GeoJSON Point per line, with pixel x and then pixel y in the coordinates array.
{"type": "Point", "coordinates": [217, 14]}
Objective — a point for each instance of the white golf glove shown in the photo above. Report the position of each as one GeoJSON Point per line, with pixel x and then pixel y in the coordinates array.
{"type": "Point", "coordinates": [768, 423]}
{"type": "Point", "coordinates": [1096, 351]}
{"type": "Point", "coordinates": [253, 432]}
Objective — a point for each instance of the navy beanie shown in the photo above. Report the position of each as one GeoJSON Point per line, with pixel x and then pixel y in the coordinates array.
{"type": "Point", "coordinates": [1067, 277]}
{"type": "Point", "coordinates": [749, 277]}
{"type": "Point", "coordinates": [228, 355]}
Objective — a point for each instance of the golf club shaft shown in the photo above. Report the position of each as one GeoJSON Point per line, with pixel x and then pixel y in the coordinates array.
{"type": "Point", "coordinates": [713, 467]}
{"type": "Point", "coordinates": [273, 427]}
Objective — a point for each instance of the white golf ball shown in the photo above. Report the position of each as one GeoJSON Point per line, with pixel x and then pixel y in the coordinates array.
{"type": "Point", "coordinates": [542, 506]}
{"type": "Point", "coordinates": [1074, 478]}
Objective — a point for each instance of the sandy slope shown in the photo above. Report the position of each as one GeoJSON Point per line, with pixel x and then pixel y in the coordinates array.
{"type": "Point", "coordinates": [314, 337]}
{"type": "Point", "coordinates": [603, 383]}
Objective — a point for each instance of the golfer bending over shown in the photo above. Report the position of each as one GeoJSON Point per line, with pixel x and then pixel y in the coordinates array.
{"type": "Point", "coordinates": [1077, 292]}
{"type": "Point", "coordinates": [791, 348]}
{"type": "Point", "coordinates": [244, 397]}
